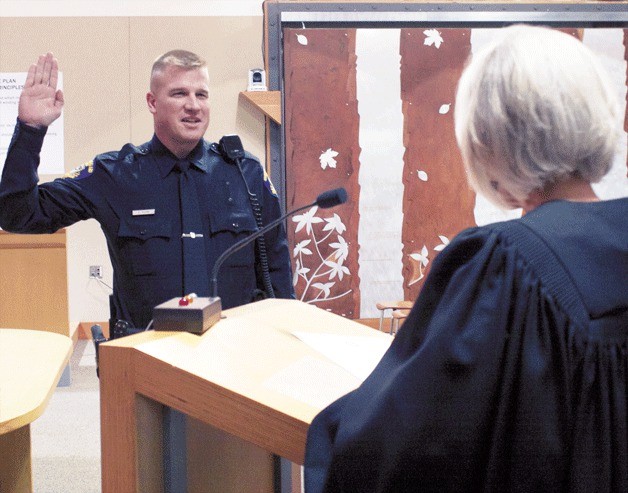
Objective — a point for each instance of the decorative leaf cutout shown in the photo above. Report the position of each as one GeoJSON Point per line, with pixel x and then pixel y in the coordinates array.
{"type": "Point", "coordinates": [432, 37]}
{"type": "Point", "coordinates": [444, 108]}
{"type": "Point", "coordinates": [327, 158]}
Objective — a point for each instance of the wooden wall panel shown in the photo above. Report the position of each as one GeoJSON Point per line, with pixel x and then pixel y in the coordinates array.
{"type": "Point", "coordinates": [438, 203]}
{"type": "Point", "coordinates": [321, 117]}
{"type": "Point", "coordinates": [322, 152]}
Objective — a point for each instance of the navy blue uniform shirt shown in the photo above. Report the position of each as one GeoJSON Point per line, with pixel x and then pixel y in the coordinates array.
{"type": "Point", "coordinates": [133, 193]}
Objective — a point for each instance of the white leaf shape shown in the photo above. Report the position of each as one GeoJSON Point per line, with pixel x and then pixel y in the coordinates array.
{"type": "Point", "coordinates": [336, 223]}
{"type": "Point", "coordinates": [324, 287]}
{"type": "Point", "coordinates": [422, 175]}
{"type": "Point", "coordinates": [302, 39]}
{"type": "Point", "coordinates": [421, 257]}
{"type": "Point", "coordinates": [444, 108]}
{"type": "Point", "coordinates": [327, 158]}
{"type": "Point", "coordinates": [432, 37]}
{"type": "Point", "coordinates": [445, 242]}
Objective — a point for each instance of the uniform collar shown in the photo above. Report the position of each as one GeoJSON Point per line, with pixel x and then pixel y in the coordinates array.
{"type": "Point", "coordinates": [166, 160]}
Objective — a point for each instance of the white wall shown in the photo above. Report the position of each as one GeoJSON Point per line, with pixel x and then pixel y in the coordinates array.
{"type": "Point", "coordinates": [106, 8]}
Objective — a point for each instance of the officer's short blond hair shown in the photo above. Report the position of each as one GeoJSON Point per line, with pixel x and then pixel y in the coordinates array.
{"type": "Point", "coordinates": [178, 58]}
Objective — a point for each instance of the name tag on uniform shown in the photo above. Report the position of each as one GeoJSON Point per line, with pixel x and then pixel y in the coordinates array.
{"type": "Point", "coordinates": [144, 212]}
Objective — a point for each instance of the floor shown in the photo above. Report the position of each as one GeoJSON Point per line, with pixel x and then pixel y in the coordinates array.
{"type": "Point", "coordinates": [65, 439]}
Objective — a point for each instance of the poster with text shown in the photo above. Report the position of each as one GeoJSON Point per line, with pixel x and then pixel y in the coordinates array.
{"type": "Point", "coordinates": [11, 84]}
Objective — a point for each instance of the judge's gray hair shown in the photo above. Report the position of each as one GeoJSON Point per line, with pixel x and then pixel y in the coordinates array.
{"type": "Point", "coordinates": [532, 108]}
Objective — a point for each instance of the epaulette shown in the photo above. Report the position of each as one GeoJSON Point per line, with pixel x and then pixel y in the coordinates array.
{"type": "Point", "coordinates": [130, 150]}
{"type": "Point", "coordinates": [127, 153]}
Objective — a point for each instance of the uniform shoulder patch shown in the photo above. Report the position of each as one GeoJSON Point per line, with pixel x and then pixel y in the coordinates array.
{"type": "Point", "coordinates": [80, 172]}
{"type": "Point", "coordinates": [269, 184]}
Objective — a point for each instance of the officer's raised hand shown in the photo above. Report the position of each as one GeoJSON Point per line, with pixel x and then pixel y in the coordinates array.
{"type": "Point", "coordinates": [40, 102]}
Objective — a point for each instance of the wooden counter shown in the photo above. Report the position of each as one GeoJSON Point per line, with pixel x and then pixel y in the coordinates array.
{"type": "Point", "coordinates": [31, 363]}
{"type": "Point", "coordinates": [34, 282]}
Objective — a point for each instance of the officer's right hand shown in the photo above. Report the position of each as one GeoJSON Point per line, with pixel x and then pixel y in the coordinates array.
{"type": "Point", "coordinates": [40, 102]}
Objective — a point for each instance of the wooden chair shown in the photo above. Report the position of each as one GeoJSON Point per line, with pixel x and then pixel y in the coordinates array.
{"type": "Point", "coordinates": [398, 317]}
{"type": "Point", "coordinates": [401, 307]}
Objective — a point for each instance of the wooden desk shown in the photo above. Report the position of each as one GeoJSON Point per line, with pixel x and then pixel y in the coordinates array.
{"type": "Point", "coordinates": [31, 363]}
{"type": "Point", "coordinates": [34, 268]}
{"type": "Point", "coordinates": [221, 379]}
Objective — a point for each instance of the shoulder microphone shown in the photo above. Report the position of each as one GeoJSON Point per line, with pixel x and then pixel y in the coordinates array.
{"type": "Point", "coordinates": [325, 200]}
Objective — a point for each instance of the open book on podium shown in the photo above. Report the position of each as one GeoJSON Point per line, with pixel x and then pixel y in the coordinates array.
{"type": "Point", "coordinates": [261, 374]}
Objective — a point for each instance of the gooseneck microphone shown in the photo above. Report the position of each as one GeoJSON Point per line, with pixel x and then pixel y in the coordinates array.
{"type": "Point", "coordinates": [325, 200]}
{"type": "Point", "coordinates": [200, 315]}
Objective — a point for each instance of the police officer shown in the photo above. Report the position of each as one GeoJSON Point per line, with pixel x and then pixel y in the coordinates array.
{"type": "Point", "coordinates": [168, 208]}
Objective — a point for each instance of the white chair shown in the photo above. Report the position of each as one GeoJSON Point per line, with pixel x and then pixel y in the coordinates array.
{"type": "Point", "coordinates": [399, 311]}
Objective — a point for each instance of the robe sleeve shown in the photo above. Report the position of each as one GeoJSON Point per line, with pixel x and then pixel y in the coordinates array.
{"type": "Point", "coordinates": [466, 390]}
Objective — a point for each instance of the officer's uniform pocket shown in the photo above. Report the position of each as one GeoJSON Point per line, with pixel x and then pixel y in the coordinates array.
{"type": "Point", "coordinates": [145, 245]}
{"type": "Point", "coordinates": [228, 228]}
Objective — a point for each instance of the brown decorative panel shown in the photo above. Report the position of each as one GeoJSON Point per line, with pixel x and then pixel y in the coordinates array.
{"type": "Point", "coordinates": [372, 111]}
{"type": "Point", "coordinates": [321, 128]}
{"type": "Point", "coordinates": [437, 202]}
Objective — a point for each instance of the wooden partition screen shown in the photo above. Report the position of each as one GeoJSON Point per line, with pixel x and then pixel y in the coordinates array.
{"type": "Point", "coordinates": [368, 95]}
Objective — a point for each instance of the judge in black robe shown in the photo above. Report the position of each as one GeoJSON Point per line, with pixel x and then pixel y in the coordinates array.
{"type": "Point", "coordinates": [511, 371]}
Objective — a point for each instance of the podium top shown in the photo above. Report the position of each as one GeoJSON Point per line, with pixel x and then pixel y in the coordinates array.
{"type": "Point", "coordinates": [249, 374]}
{"type": "Point", "coordinates": [31, 363]}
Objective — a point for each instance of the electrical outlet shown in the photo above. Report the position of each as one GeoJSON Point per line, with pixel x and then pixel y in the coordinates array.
{"type": "Point", "coordinates": [95, 272]}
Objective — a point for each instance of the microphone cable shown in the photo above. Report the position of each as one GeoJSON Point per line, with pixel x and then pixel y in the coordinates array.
{"type": "Point", "coordinates": [231, 148]}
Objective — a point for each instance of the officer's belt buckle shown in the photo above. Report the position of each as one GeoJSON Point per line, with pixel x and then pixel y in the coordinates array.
{"type": "Point", "coordinates": [192, 235]}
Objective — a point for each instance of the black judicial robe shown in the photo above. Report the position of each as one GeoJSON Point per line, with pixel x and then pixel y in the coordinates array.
{"type": "Point", "coordinates": [510, 373]}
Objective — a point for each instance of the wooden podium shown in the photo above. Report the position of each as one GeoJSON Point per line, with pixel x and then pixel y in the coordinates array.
{"type": "Point", "coordinates": [34, 268]}
{"type": "Point", "coordinates": [247, 380]}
